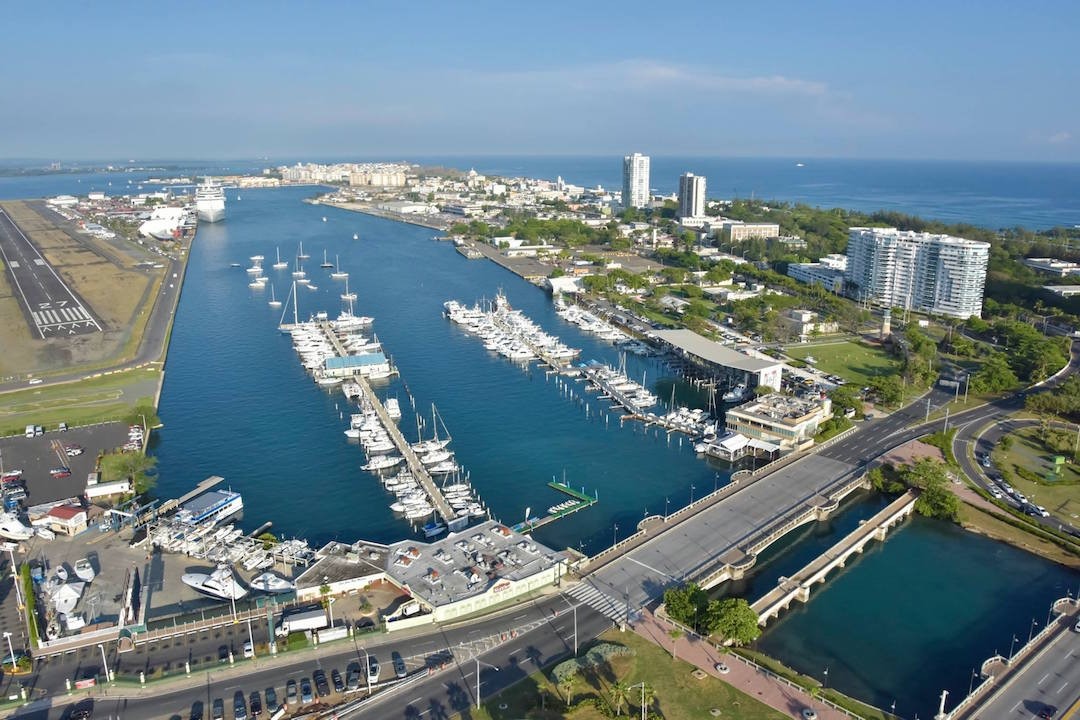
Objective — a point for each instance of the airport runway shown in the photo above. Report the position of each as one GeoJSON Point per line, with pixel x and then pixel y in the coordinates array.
{"type": "Point", "coordinates": [50, 306]}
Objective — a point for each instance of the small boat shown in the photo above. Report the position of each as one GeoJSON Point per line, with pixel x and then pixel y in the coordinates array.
{"type": "Point", "coordinates": [300, 255]}
{"type": "Point", "coordinates": [338, 274]}
{"type": "Point", "coordinates": [220, 584]}
{"type": "Point", "coordinates": [257, 259]}
{"type": "Point", "coordinates": [272, 583]}
{"type": "Point", "coordinates": [61, 573]}
{"type": "Point", "coordinates": [434, 528]}
{"type": "Point", "coordinates": [348, 296]}
{"type": "Point", "coordinates": [234, 265]}
{"type": "Point", "coordinates": [382, 462]}
{"type": "Point", "coordinates": [280, 265]}
{"type": "Point", "coordinates": [436, 456]}
{"type": "Point", "coordinates": [355, 236]}
{"type": "Point", "coordinates": [84, 570]}
{"type": "Point", "coordinates": [325, 263]}
{"type": "Point", "coordinates": [312, 287]}
{"type": "Point", "coordinates": [274, 302]}
{"type": "Point", "coordinates": [393, 409]}
{"type": "Point", "coordinates": [324, 218]}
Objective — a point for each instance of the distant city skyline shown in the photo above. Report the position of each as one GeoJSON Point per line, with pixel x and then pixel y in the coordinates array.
{"type": "Point", "coordinates": [919, 80]}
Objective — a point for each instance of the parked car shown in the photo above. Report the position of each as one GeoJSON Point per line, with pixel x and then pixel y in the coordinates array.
{"type": "Point", "coordinates": [290, 692]}
{"type": "Point", "coordinates": [352, 682]}
{"type": "Point", "coordinates": [271, 698]}
{"type": "Point", "coordinates": [249, 650]}
{"type": "Point", "coordinates": [372, 669]}
{"type": "Point", "coordinates": [400, 670]}
{"type": "Point", "coordinates": [306, 696]}
{"type": "Point", "coordinates": [239, 706]}
{"type": "Point", "coordinates": [60, 472]}
{"type": "Point", "coordinates": [335, 678]}
{"type": "Point", "coordinates": [218, 710]}
{"type": "Point", "coordinates": [255, 704]}
{"type": "Point", "coordinates": [320, 683]}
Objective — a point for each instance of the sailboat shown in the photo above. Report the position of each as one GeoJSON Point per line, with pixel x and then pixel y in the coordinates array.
{"type": "Point", "coordinates": [295, 308]}
{"type": "Point", "coordinates": [280, 265]}
{"type": "Point", "coordinates": [325, 262]}
{"type": "Point", "coordinates": [312, 287]}
{"type": "Point", "coordinates": [274, 302]}
{"type": "Point", "coordinates": [338, 273]}
{"type": "Point", "coordinates": [300, 253]}
{"type": "Point", "coordinates": [348, 296]}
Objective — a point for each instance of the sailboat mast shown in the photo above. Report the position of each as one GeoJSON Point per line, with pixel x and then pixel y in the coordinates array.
{"type": "Point", "coordinates": [295, 305]}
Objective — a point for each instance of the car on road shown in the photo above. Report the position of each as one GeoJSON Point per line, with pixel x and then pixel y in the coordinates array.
{"type": "Point", "coordinates": [400, 670]}
{"type": "Point", "coordinates": [218, 709]}
{"type": "Point", "coordinates": [306, 696]}
{"type": "Point", "coordinates": [239, 706]}
{"type": "Point", "coordinates": [36, 381]}
{"type": "Point", "coordinates": [320, 683]}
{"type": "Point", "coordinates": [1076, 627]}
{"type": "Point", "coordinates": [290, 692]}
{"type": "Point", "coordinates": [372, 669]}
{"type": "Point", "coordinates": [60, 472]}
{"type": "Point", "coordinates": [1048, 711]}
{"type": "Point", "coordinates": [223, 654]}
{"type": "Point", "coordinates": [255, 704]}
{"type": "Point", "coordinates": [249, 650]}
{"type": "Point", "coordinates": [335, 678]}
{"type": "Point", "coordinates": [62, 427]}
{"type": "Point", "coordinates": [995, 493]}
{"type": "Point", "coordinates": [81, 713]}
{"type": "Point", "coordinates": [721, 668]}
{"type": "Point", "coordinates": [809, 714]}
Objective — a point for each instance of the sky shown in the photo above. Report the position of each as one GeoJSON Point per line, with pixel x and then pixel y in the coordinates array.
{"type": "Point", "coordinates": [949, 79]}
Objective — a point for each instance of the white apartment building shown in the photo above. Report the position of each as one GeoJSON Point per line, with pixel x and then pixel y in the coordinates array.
{"type": "Point", "coordinates": [691, 196]}
{"type": "Point", "coordinates": [828, 272]}
{"type": "Point", "coordinates": [737, 231]}
{"type": "Point", "coordinates": [635, 181]}
{"type": "Point", "coordinates": [937, 274]}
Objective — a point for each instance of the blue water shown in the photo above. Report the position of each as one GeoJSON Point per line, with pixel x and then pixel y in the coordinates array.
{"type": "Point", "coordinates": [904, 621]}
{"type": "Point", "coordinates": [236, 402]}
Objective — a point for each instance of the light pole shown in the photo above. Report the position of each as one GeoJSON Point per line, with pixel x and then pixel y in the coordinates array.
{"type": "Point", "coordinates": [574, 608]}
{"type": "Point", "coordinates": [1011, 646]}
{"type": "Point", "coordinates": [642, 686]}
{"type": "Point", "coordinates": [251, 637]}
{"type": "Point", "coordinates": [614, 535]}
{"type": "Point", "coordinates": [1031, 630]}
{"type": "Point", "coordinates": [667, 500]}
{"type": "Point", "coordinates": [7, 636]}
{"type": "Point", "coordinates": [15, 574]}
{"type": "Point", "coordinates": [692, 489]}
{"type": "Point", "coordinates": [971, 684]}
{"type": "Point", "coordinates": [478, 664]}
{"type": "Point", "coordinates": [367, 670]}
{"type": "Point", "coordinates": [104, 661]}
{"type": "Point", "coordinates": [330, 608]}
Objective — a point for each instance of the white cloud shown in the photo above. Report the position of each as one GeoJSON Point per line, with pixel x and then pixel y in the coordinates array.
{"type": "Point", "coordinates": [1059, 137]}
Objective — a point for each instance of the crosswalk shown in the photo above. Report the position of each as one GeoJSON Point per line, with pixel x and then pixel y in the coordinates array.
{"type": "Point", "coordinates": [601, 599]}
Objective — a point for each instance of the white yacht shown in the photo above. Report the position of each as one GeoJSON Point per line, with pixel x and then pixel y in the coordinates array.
{"type": "Point", "coordinates": [280, 264]}
{"type": "Point", "coordinates": [735, 394]}
{"type": "Point", "coordinates": [84, 570]}
{"type": "Point", "coordinates": [272, 583]}
{"type": "Point", "coordinates": [220, 584]}
{"type": "Point", "coordinates": [210, 201]}
{"type": "Point", "coordinates": [11, 528]}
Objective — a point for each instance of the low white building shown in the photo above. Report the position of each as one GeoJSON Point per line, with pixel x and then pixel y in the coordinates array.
{"type": "Point", "coordinates": [789, 422]}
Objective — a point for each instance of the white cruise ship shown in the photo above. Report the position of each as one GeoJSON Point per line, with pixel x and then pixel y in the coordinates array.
{"type": "Point", "coordinates": [210, 202]}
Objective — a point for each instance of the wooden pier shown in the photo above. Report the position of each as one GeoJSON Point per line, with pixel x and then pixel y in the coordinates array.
{"type": "Point", "coordinates": [582, 501]}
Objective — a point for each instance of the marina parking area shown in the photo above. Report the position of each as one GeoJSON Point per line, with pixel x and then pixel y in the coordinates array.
{"type": "Point", "coordinates": [37, 455]}
{"type": "Point", "coordinates": [51, 307]}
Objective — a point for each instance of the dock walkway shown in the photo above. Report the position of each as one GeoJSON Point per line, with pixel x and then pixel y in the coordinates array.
{"type": "Point", "coordinates": [416, 467]}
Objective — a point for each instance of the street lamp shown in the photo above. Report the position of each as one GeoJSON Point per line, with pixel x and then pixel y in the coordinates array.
{"type": "Point", "coordinates": [1031, 630]}
{"type": "Point", "coordinates": [330, 608]}
{"type": "Point", "coordinates": [7, 636]}
{"type": "Point", "coordinates": [667, 500]}
{"type": "Point", "coordinates": [614, 535]}
{"type": "Point", "coordinates": [642, 686]}
{"type": "Point", "coordinates": [478, 664]}
{"type": "Point", "coordinates": [1011, 646]}
{"type": "Point", "coordinates": [971, 684]}
{"type": "Point", "coordinates": [104, 661]}
{"type": "Point", "coordinates": [574, 608]}
{"type": "Point", "coordinates": [692, 489]}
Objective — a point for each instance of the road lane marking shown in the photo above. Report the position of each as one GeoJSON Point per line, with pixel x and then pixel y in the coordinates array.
{"type": "Point", "coordinates": [1042, 679]}
{"type": "Point", "coordinates": [1062, 687]}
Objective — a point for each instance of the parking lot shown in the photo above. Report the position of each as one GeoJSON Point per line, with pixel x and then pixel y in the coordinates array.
{"type": "Point", "coordinates": [36, 456]}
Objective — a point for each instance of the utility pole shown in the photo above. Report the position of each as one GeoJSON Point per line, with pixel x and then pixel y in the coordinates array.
{"type": "Point", "coordinates": [927, 410]}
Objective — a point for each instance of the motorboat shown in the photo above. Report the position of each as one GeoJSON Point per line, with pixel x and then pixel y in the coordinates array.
{"type": "Point", "coordinates": [393, 408]}
{"type": "Point", "coordinates": [220, 584]}
{"type": "Point", "coordinates": [84, 570]}
{"type": "Point", "coordinates": [11, 528]}
{"type": "Point", "coordinates": [272, 583]}
{"type": "Point", "coordinates": [735, 394]}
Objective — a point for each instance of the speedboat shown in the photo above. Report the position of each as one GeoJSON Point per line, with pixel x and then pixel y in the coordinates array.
{"type": "Point", "coordinates": [220, 584]}
{"type": "Point", "coordinates": [84, 570]}
{"type": "Point", "coordinates": [272, 583]}
{"type": "Point", "coordinates": [11, 528]}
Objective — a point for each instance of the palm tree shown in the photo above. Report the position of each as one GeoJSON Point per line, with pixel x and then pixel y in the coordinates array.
{"type": "Point", "coordinates": [674, 634]}
{"type": "Point", "coordinates": [567, 685]}
{"type": "Point", "coordinates": [619, 695]}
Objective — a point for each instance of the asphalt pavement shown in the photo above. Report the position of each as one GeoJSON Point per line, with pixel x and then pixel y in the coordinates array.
{"type": "Point", "coordinates": [50, 306]}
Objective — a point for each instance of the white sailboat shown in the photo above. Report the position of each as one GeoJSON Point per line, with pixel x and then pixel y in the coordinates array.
{"type": "Point", "coordinates": [280, 264]}
{"type": "Point", "coordinates": [348, 296]}
{"type": "Point", "coordinates": [338, 274]}
{"type": "Point", "coordinates": [325, 263]}
{"type": "Point", "coordinates": [300, 253]}
{"type": "Point", "coordinates": [274, 302]}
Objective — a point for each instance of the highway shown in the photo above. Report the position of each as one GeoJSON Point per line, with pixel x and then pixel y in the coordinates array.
{"type": "Point", "coordinates": [1050, 679]}
{"type": "Point", "coordinates": [51, 308]}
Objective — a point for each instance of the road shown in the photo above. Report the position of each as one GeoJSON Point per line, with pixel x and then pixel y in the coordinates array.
{"type": "Point", "coordinates": [1049, 679]}
{"type": "Point", "coordinates": [452, 688]}
{"type": "Point", "coordinates": [51, 308]}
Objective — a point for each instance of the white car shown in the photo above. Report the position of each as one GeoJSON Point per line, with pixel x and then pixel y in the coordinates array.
{"type": "Point", "coordinates": [721, 668]}
{"type": "Point", "coordinates": [809, 714]}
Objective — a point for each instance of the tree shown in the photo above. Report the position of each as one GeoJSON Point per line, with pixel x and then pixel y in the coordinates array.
{"type": "Point", "coordinates": [686, 604]}
{"type": "Point", "coordinates": [567, 686]}
{"type": "Point", "coordinates": [935, 499]}
{"type": "Point", "coordinates": [994, 376]}
{"type": "Point", "coordinates": [888, 389]}
{"type": "Point", "coordinates": [843, 397]}
{"type": "Point", "coordinates": [619, 695]}
{"type": "Point", "coordinates": [734, 620]}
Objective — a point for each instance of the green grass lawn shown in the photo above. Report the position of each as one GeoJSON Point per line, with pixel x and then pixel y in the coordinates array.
{"type": "Point", "coordinates": [678, 694]}
{"type": "Point", "coordinates": [78, 403]}
{"type": "Point", "coordinates": [1027, 451]}
{"type": "Point", "coordinates": [856, 362]}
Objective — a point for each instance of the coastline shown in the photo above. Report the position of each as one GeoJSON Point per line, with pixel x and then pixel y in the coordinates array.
{"type": "Point", "coordinates": [979, 522]}
{"type": "Point", "coordinates": [385, 214]}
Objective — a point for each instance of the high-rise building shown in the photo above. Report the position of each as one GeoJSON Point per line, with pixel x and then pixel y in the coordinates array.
{"type": "Point", "coordinates": [937, 274]}
{"type": "Point", "coordinates": [691, 195]}
{"type": "Point", "coordinates": [635, 181]}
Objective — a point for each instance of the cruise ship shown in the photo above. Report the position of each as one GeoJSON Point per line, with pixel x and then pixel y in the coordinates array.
{"type": "Point", "coordinates": [213, 506]}
{"type": "Point", "coordinates": [210, 202]}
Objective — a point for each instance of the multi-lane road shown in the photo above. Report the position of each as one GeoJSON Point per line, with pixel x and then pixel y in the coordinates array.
{"type": "Point", "coordinates": [50, 306]}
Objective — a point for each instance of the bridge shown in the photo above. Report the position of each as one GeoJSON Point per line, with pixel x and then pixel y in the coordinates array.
{"type": "Point", "coordinates": [797, 587]}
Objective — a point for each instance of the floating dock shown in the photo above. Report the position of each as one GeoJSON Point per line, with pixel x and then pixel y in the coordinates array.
{"type": "Point", "coordinates": [579, 501]}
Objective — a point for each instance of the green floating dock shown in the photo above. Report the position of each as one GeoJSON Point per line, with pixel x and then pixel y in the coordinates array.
{"type": "Point", "coordinates": [581, 501]}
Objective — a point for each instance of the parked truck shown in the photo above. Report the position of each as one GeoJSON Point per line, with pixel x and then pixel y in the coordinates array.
{"type": "Point", "coordinates": [302, 620]}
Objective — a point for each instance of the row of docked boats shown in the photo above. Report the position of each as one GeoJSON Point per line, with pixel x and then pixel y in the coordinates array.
{"type": "Point", "coordinates": [615, 384]}
{"type": "Point", "coordinates": [221, 583]}
{"type": "Point", "coordinates": [509, 332]}
{"type": "Point", "coordinates": [590, 323]}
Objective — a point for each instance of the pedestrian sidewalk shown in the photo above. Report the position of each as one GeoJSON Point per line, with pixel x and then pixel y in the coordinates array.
{"type": "Point", "coordinates": [754, 682]}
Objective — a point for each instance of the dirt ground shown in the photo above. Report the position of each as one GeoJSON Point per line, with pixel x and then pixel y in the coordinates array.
{"type": "Point", "coordinates": [102, 273]}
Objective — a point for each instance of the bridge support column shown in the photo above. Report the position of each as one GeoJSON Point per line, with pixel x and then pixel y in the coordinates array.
{"type": "Point", "coordinates": [880, 534]}
{"type": "Point", "coordinates": [803, 593]}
